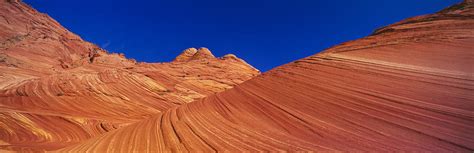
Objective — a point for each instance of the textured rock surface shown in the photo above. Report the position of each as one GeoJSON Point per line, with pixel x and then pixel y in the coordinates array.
{"type": "Point", "coordinates": [186, 55]}
{"type": "Point", "coordinates": [409, 87]}
{"type": "Point", "coordinates": [57, 90]}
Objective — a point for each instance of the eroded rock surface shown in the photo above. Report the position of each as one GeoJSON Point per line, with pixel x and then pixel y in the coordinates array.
{"type": "Point", "coordinates": [407, 87]}
{"type": "Point", "coordinates": [57, 89]}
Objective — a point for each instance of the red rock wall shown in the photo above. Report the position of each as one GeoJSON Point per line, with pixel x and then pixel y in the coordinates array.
{"type": "Point", "coordinates": [407, 87]}
{"type": "Point", "coordinates": [57, 89]}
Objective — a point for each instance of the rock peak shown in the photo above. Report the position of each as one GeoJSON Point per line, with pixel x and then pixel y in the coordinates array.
{"type": "Point", "coordinates": [230, 56]}
{"type": "Point", "coordinates": [186, 55]}
{"type": "Point", "coordinates": [194, 54]}
{"type": "Point", "coordinates": [203, 53]}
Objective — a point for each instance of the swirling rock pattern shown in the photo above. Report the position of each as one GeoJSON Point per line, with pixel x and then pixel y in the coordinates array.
{"type": "Point", "coordinates": [407, 87]}
{"type": "Point", "coordinates": [57, 90]}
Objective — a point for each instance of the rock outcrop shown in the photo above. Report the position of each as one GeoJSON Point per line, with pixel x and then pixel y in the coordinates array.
{"type": "Point", "coordinates": [191, 54]}
{"type": "Point", "coordinates": [408, 87]}
{"type": "Point", "coordinates": [186, 55]}
{"type": "Point", "coordinates": [57, 89]}
{"type": "Point", "coordinates": [203, 53]}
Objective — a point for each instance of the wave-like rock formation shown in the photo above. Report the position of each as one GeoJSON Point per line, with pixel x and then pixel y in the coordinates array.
{"type": "Point", "coordinates": [57, 89]}
{"type": "Point", "coordinates": [407, 87]}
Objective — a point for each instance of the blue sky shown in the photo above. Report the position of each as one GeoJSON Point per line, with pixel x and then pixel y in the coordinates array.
{"type": "Point", "coordinates": [265, 33]}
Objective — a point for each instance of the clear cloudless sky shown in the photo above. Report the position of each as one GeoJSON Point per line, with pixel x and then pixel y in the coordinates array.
{"type": "Point", "coordinates": [265, 33]}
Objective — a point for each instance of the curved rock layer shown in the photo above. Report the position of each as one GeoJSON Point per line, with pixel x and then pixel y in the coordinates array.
{"type": "Point", "coordinates": [57, 90]}
{"type": "Point", "coordinates": [407, 87]}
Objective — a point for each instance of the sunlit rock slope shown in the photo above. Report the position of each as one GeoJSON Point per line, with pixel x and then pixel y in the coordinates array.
{"type": "Point", "coordinates": [407, 87]}
{"type": "Point", "coordinates": [57, 89]}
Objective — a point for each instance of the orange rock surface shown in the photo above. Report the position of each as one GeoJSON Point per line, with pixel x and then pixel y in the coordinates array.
{"type": "Point", "coordinates": [407, 87]}
{"type": "Point", "coordinates": [57, 89]}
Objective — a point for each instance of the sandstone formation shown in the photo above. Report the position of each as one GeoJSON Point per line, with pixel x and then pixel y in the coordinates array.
{"type": "Point", "coordinates": [186, 55]}
{"type": "Point", "coordinates": [57, 89]}
{"type": "Point", "coordinates": [407, 87]}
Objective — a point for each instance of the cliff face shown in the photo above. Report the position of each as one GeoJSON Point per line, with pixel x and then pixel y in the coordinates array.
{"type": "Point", "coordinates": [407, 87]}
{"type": "Point", "coordinates": [57, 89]}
